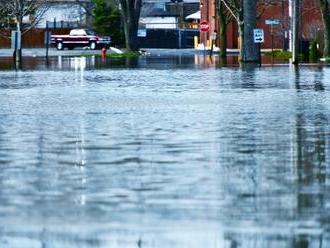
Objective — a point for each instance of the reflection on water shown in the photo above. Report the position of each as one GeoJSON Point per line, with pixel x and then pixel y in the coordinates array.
{"type": "Point", "coordinates": [164, 152]}
{"type": "Point", "coordinates": [92, 62]}
{"type": "Point", "coordinates": [160, 61]}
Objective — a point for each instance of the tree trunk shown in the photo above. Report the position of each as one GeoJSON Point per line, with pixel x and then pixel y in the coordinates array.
{"type": "Point", "coordinates": [326, 22]}
{"type": "Point", "coordinates": [250, 49]}
{"type": "Point", "coordinates": [130, 28]}
{"type": "Point", "coordinates": [295, 31]}
{"type": "Point", "coordinates": [131, 14]}
{"type": "Point", "coordinates": [223, 31]}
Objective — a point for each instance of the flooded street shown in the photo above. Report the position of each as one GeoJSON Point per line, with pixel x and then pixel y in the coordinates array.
{"type": "Point", "coordinates": [164, 151]}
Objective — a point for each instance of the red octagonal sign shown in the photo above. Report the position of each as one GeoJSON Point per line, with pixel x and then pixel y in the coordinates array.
{"type": "Point", "coordinates": [204, 26]}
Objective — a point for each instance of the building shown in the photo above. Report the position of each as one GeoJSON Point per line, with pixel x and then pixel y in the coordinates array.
{"type": "Point", "coordinates": [163, 25]}
{"type": "Point", "coordinates": [66, 13]}
{"type": "Point", "coordinates": [167, 14]}
{"type": "Point", "coordinates": [278, 35]}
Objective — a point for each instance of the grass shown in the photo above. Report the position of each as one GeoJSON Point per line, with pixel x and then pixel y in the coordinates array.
{"type": "Point", "coordinates": [279, 54]}
{"type": "Point", "coordinates": [123, 55]}
{"type": "Point", "coordinates": [117, 55]}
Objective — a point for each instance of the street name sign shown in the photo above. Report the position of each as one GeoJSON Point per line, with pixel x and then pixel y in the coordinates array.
{"type": "Point", "coordinates": [258, 35]}
{"type": "Point", "coordinates": [272, 21]}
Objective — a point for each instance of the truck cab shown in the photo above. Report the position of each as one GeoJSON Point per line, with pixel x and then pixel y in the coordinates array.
{"type": "Point", "coordinates": [80, 38]}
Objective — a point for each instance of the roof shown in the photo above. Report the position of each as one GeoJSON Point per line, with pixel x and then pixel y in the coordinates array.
{"type": "Point", "coordinates": [194, 16]}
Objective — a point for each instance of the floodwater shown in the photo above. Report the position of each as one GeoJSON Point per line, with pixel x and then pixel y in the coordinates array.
{"type": "Point", "coordinates": [164, 151]}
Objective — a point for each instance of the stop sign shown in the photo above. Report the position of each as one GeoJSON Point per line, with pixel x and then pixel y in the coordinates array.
{"type": "Point", "coordinates": [204, 26]}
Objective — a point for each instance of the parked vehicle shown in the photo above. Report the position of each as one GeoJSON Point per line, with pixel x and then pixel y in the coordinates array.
{"type": "Point", "coordinates": [80, 38]}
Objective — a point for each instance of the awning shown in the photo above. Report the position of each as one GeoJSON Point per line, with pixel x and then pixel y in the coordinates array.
{"type": "Point", "coordinates": [194, 16]}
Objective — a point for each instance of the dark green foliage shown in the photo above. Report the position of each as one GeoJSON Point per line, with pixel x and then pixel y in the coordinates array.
{"type": "Point", "coordinates": [107, 21]}
{"type": "Point", "coordinates": [314, 53]}
{"type": "Point", "coordinates": [278, 54]}
{"type": "Point", "coordinates": [130, 54]}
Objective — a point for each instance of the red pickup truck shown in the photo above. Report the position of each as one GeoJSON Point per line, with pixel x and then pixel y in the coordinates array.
{"type": "Point", "coordinates": [80, 38]}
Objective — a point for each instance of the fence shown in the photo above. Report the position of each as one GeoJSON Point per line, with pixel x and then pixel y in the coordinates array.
{"type": "Point", "coordinates": [155, 38]}
{"type": "Point", "coordinates": [168, 38]}
{"type": "Point", "coordinates": [33, 38]}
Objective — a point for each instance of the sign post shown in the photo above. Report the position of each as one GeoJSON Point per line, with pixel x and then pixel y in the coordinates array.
{"type": "Point", "coordinates": [272, 22]}
{"type": "Point", "coordinates": [48, 36]}
{"type": "Point", "coordinates": [258, 38]}
{"type": "Point", "coordinates": [16, 44]}
{"type": "Point", "coordinates": [204, 28]}
{"type": "Point", "coordinates": [16, 40]}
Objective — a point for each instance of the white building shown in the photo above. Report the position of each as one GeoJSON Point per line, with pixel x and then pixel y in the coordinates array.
{"type": "Point", "coordinates": [61, 13]}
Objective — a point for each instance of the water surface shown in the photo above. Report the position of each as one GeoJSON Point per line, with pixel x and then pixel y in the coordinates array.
{"type": "Point", "coordinates": [170, 151]}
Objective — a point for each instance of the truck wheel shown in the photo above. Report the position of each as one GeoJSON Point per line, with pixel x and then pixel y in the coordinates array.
{"type": "Point", "coordinates": [92, 45]}
{"type": "Point", "coordinates": [59, 46]}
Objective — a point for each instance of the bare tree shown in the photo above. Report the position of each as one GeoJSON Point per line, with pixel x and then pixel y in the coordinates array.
{"type": "Point", "coordinates": [88, 7]}
{"type": "Point", "coordinates": [244, 12]}
{"type": "Point", "coordinates": [15, 11]}
{"type": "Point", "coordinates": [235, 8]}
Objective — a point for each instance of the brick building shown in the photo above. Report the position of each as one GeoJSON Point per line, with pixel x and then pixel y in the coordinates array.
{"type": "Point", "coordinates": [311, 23]}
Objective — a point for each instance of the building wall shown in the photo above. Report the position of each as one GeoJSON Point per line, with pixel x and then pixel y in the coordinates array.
{"type": "Point", "coordinates": [159, 22]}
{"type": "Point", "coordinates": [311, 24]}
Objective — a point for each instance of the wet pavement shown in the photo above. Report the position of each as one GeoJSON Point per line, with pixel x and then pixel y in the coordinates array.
{"type": "Point", "coordinates": [41, 52]}
{"type": "Point", "coordinates": [164, 151]}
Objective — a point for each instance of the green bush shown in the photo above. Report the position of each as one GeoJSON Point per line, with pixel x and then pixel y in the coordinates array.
{"type": "Point", "coordinates": [107, 21]}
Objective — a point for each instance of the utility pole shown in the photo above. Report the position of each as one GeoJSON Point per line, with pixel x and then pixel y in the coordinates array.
{"type": "Point", "coordinates": [250, 49]}
{"type": "Point", "coordinates": [295, 6]}
{"type": "Point", "coordinates": [223, 30]}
